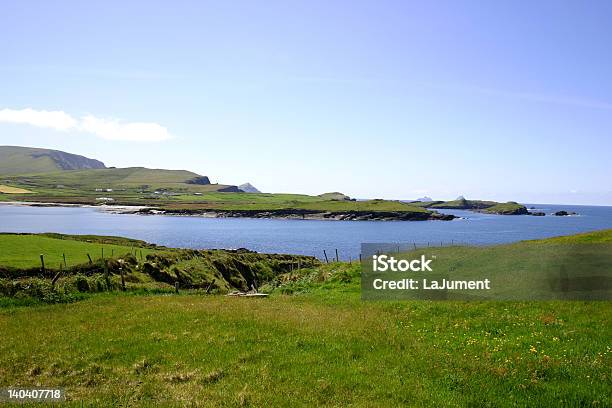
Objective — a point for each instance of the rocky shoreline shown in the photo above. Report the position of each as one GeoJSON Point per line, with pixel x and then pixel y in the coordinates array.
{"type": "Point", "coordinates": [298, 214]}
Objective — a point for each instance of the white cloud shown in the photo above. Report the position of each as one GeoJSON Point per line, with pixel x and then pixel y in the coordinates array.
{"type": "Point", "coordinates": [109, 129]}
{"type": "Point", "coordinates": [112, 129]}
{"type": "Point", "coordinates": [57, 120]}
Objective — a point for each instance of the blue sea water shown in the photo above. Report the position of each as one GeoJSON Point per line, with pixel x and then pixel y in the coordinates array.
{"type": "Point", "coordinates": [304, 236]}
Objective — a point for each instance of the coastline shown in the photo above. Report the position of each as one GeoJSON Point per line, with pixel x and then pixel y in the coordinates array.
{"type": "Point", "coordinates": [292, 214]}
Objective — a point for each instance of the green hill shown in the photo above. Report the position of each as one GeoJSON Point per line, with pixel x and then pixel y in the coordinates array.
{"type": "Point", "coordinates": [115, 177]}
{"type": "Point", "coordinates": [54, 175]}
{"type": "Point", "coordinates": [25, 160]}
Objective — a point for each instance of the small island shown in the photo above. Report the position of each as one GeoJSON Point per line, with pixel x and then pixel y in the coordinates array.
{"type": "Point", "coordinates": [487, 207]}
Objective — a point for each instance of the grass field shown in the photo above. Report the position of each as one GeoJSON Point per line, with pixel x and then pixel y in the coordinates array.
{"type": "Point", "coordinates": [311, 349]}
{"type": "Point", "coordinates": [314, 342]}
{"type": "Point", "coordinates": [23, 251]}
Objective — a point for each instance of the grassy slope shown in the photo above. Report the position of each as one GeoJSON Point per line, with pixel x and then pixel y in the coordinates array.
{"type": "Point", "coordinates": [108, 178]}
{"type": "Point", "coordinates": [17, 160]}
{"type": "Point", "coordinates": [321, 346]}
{"type": "Point", "coordinates": [146, 267]}
{"type": "Point", "coordinates": [595, 237]}
{"type": "Point", "coordinates": [25, 160]}
{"type": "Point", "coordinates": [23, 251]}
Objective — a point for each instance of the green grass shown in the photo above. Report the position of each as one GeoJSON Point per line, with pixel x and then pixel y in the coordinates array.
{"type": "Point", "coordinates": [594, 237]}
{"type": "Point", "coordinates": [23, 251]}
{"type": "Point", "coordinates": [319, 346]}
{"type": "Point", "coordinates": [309, 350]}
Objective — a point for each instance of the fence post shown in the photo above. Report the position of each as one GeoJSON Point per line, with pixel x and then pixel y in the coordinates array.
{"type": "Point", "coordinates": [65, 264]}
{"type": "Point", "coordinates": [176, 287]}
{"type": "Point", "coordinates": [42, 263]}
{"type": "Point", "coordinates": [337, 257]}
{"type": "Point", "coordinates": [89, 257]}
{"type": "Point", "coordinates": [324, 253]}
{"type": "Point", "coordinates": [56, 277]}
{"type": "Point", "coordinates": [106, 277]}
{"type": "Point", "coordinates": [209, 286]}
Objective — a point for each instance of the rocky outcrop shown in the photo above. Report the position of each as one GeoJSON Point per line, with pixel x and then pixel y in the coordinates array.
{"type": "Point", "coordinates": [229, 189]}
{"type": "Point", "coordinates": [564, 213]}
{"type": "Point", "coordinates": [69, 161]}
{"type": "Point", "coordinates": [199, 180]}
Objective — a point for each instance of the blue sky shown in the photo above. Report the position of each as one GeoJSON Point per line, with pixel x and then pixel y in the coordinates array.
{"type": "Point", "coordinates": [508, 100]}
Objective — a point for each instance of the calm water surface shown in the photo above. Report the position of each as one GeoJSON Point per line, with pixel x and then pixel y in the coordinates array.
{"type": "Point", "coordinates": [303, 237]}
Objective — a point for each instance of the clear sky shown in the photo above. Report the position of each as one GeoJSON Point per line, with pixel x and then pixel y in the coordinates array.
{"type": "Point", "coordinates": [504, 100]}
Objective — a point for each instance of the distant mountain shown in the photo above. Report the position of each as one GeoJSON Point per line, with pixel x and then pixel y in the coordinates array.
{"type": "Point", "coordinates": [424, 199]}
{"type": "Point", "coordinates": [248, 188]}
{"type": "Point", "coordinates": [25, 160]}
